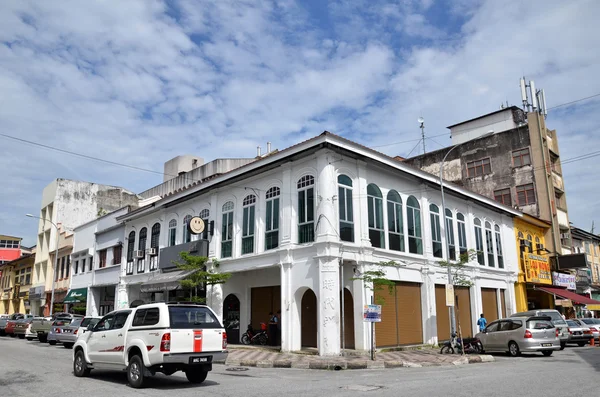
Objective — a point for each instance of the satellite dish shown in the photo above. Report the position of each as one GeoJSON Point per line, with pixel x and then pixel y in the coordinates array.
{"type": "Point", "coordinates": [421, 120]}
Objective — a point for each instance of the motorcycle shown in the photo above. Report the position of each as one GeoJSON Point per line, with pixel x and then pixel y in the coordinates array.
{"type": "Point", "coordinates": [471, 346]}
{"type": "Point", "coordinates": [259, 338]}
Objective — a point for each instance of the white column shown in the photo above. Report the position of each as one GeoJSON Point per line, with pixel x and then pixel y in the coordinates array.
{"type": "Point", "coordinates": [426, 229]}
{"type": "Point", "coordinates": [287, 198]}
{"type": "Point", "coordinates": [476, 303]}
{"type": "Point", "coordinates": [499, 303]}
{"type": "Point", "coordinates": [326, 200]}
{"type": "Point", "coordinates": [328, 316]}
{"type": "Point", "coordinates": [121, 296]}
{"type": "Point", "coordinates": [428, 308]}
{"type": "Point", "coordinates": [286, 305]}
{"type": "Point", "coordinates": [363, 213]}
{"type": "Point", "coordinates": [361, 297]}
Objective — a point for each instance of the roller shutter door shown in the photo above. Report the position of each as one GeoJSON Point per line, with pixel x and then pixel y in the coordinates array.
{"type": "Point", "coordinates": [464, 311]}
{"type": "Point", "coordinates": [442, 315]}
{"type": "Point", "coordinates": [408, 306]}
{"type": "Point", "coordinates": [503, 303]}
{"type": "Point", "coordinates": [386, 332]}
{"type": "Point", "coordinates": [490, 304]}
{"type": "Point", "coordinates": [463, 307]}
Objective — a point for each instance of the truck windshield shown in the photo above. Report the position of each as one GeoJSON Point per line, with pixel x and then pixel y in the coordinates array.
{"type": "Point", "coordinates": [556, 318]}
{"type": "Point", "coordinates": [192, 317]}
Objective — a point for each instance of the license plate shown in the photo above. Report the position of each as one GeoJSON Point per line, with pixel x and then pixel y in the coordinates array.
{"type": "Point", "coordinates": [199, 360]}
{"type": "Point", "coordinates": [546, 344]}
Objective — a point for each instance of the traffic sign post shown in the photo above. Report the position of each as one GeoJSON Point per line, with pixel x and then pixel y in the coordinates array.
{"type": "Point", "coordinates": [372, 314]}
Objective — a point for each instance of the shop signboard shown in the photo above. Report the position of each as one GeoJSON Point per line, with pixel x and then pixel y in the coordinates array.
{"type": "Point", "coordinates": [564, 280]}
{"type": "Point", "coordinates": [537, 270]}
{"type": "Point", "coordinates": [563, 302]}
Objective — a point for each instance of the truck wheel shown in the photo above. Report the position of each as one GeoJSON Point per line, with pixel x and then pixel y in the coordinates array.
{"type": "Point", "coordinates": [196, 375]}
{"type": "Point", "coordinates": [80, 368]}
{"type": "Point", "coordinates": [68, 345]}
{"type": "Point", "coordinates": [581, 344]}
{"type": "Point", "coordinates": [43, 339]}
{"type": "Point", "coordinates": [21, 336]}
{"type": "Point", "coordinates": [562, 345]}
{"type": "Point", "coordinates": [29, 339]}
{"type": "Point", "coordinates": [135, 372]}
{"type": "Point", "coordinates": [52, 342]}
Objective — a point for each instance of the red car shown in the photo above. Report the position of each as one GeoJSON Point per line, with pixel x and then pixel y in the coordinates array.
{"type": "Point", "coordinates": [10, 328]}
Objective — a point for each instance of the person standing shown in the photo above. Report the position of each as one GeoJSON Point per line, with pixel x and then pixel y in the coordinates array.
{"type": "Point", "coordinates": [273, 328]}
{"type": "Point", "coordinates": [482, 323]}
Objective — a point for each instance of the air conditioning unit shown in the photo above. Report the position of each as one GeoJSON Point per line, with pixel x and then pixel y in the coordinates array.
{"type": "Point", "coordinates": [564, 236]}
{"type": "Point", "coordinates": [139, 254]}
{"type": "Point", "coordinates": [153, 251]}
{"type": "Point", "coordinates": [526, 243]}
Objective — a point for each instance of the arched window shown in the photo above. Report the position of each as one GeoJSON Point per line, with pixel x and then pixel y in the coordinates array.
{"type": "Point", "coordinates": [539, 247]}
{"type": "Point", "coordinates": [489, 242]}
{"type": "Point", "coordinates": [345, 208]}
{"type": "Point", "coordinates": [479, 242]}
{"type": "Point", "coordinates": [141, 263]}
{"type": "Point", "coordinates": [154, 242]}
{"type": "Point", "coordinates": [249, 211]}
{"type": "Point", "coordinates": [415, 233]}
{"type": "Point", "coordinates": [395, 222]}
{"type": "Point", "coordinates": [205, 216]}
{"type": "Point", "coordinates": [272, 218]}
{"type": "Point", "coordinates": [172, 232]}
{"type": "Point", "coordinates": [530, 243]}
{"type": "Point", "coordinates": [436, 232]}
{"type": "Point", "coordinates": [187, 236]}
{"type": "Point", "coordinates": [306, 209]}
{"type": "Point", "coordinates": [450, 235]}
{"type": "Point", "coordinates": [227, 230]}
{"type": "Point", "coordinates": [130, 249]}
{"type": "Point", "coordinates": [462, 234]}
{"type": "Point", "coordinates": [499, 255]}
{"type": "Point", "coordinates": [375, 202]}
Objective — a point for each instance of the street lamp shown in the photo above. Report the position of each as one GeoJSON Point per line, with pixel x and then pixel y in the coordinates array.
{"type": "Point", "coordinates": [55, 259]}
{"type": "Point", "coordinates": [451, 308]}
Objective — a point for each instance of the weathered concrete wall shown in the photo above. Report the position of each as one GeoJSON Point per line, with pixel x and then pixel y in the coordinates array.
{"type": "Point", "coordinates": [180, 164]}
{"type": "Point", "coordinates": [498, 148]}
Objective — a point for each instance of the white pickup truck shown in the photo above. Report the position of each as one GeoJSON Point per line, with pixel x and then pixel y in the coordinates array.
{"type": "Point", "coordinates": [151, 338]}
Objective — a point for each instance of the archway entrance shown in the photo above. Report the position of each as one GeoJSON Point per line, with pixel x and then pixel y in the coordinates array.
{"type": "Point", "coordinates": [308, 317]}
{"type": "Point", "coordinates": [348, 319]}
{"type": "Point", "coordinates": [231, 318]}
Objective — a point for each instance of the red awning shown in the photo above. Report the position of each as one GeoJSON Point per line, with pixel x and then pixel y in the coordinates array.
{"type": "Point", "coordinates": [566, 294]}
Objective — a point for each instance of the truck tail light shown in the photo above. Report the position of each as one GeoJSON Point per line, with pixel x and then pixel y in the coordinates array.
{"type": "Point", "coordinates": [224, 340]}
{"type": "Point", "coordinates": [588, 332]}
{"type": "Point", "coordinates": [528, 334]}
{"type": "Point", "coordinates": [570, 332]}
{"type": "Point", "coordinates": [165, 342]}
{"type": "Point", "coordinates": [593, 329]}
{"type": "Point", "coordinates": [557, 332]}
{"type": "Point", "coordinates": [75, 332]}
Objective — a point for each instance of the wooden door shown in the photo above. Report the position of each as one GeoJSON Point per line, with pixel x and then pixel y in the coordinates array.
{"type": "Point", "coordinates": [490, 304]}
{"type": "Point", "coordinates": [308, 318]}
{"type": "Point", "coordinates": [503, 303]}
{"type": "Point", "coordinates": [442, 313]}
{"type": "Point", "coordinates": [463, 307]}
{"type": "Point", "coordinates": [408, 307]}
{"type": "Point", "coordinates": [386, 331]}
{"type": "Point", "coordinates": [348, 319]}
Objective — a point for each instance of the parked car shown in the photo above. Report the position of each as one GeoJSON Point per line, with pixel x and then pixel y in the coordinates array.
{"type": "Point", "coordinates": [57, 328]}
{"type": "Point", "coordinates": [579, 334]}
{"type": "Point", "coordinates": [42, 325]}
{"type": "Point", "coordinates": [593, 324]}
{"type": "Point", "coordinates": [6, 318]}
{"type": "Point", "coordinates": [557, 320]}
{"type": "Point", "coordinates": [521, 334]}
{"type": "Point", "coordinates": [23, 328]}
{"type": "Point", "coordinates": [69, 333]}
{"type": "Point", "coordinates": [10, 328]}
{"type": "Point", "coordinates": [151, 338]}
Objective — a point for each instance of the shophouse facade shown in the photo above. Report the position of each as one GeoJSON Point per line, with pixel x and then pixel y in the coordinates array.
{"type": "Point", "coordinates": [15, 281]}
{"type": "Point", "coordinates": [297, 226]}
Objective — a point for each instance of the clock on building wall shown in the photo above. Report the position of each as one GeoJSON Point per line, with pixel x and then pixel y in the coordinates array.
{"type": "Point", "coordinates": [196, 225]}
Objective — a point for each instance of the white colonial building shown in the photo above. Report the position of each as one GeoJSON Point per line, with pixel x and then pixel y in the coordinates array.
{"type": "Point", "coordinates": [295, 227]}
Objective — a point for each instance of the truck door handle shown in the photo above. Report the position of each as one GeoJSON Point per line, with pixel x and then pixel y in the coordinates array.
{"type": "Point", "coordinates": [104, 336]}
{"type": "Point", "coordinates": [120, 335]}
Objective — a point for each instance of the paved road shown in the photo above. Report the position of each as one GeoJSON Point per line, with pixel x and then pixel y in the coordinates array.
{"type": "Point", "coordinates": [34, 369]}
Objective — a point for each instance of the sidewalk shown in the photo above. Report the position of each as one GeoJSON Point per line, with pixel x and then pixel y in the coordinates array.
{"type": "Point", "coordinates": [254, 356]}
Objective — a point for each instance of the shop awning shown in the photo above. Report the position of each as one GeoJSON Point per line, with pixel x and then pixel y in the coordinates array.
{"type": "Point", "coordinates": [165, 281]}
{"type": "Point", "coordinates": [566, 294]}
{"type": "Point", "coordinates": [78, 295]}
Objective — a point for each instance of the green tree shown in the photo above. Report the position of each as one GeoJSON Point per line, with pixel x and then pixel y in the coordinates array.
{"type": "Point", "coordinates": [204, 273]}
{"type": "Point", "coordinates": [458, 269]}
{"type": "Point", "coordinates": [375, 279]}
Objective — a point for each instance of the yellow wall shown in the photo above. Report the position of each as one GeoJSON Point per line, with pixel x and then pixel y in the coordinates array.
{"type": "Point", "coordinates": [526, 228]}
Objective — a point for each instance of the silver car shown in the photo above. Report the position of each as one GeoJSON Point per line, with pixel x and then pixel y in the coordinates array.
{"type": "Point", "coordinates": [521, 334]}
{"type": "Point", "coordinates": [593, 324]}
{"type": "Point", "coordinates": [579, 334]}
{"type": "Point", "coordinates": [69, 333]}
{"type": "Point", "coordinates": [557, 319]}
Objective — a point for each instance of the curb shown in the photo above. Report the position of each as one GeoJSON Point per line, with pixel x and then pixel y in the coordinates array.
{"type": "Point", "coordinates": [358, 364]}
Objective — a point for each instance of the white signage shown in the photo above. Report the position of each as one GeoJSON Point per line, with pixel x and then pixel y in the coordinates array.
{"type": "Point", "coordinates": [196, 225]}
{"type": "Point", "coordinates": [564, 280]}
{"type": "Point", "coordinates": [450, 295]}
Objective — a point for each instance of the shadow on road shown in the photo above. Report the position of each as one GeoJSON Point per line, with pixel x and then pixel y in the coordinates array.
{"type": "Point", "coordinates": [590, 355]}
{"type": "Point", "coordinates": [158, 382]}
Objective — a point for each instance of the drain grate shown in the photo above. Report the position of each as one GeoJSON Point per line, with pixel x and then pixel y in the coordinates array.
{"type": "Point", "coordinates": [237, 369]}
{"type": "Point", "coordinates": [361, 387]}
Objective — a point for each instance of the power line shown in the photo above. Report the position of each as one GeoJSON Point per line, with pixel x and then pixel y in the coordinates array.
{"type": "Point", "coordinates": [575, 101]}
{"type": "Point", "coordinates": [407, 141]}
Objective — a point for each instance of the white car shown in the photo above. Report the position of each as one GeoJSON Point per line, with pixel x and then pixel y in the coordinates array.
{"type": "Point", "coordinates": [156, 337]}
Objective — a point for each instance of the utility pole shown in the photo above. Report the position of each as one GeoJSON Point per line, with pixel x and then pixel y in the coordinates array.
{"type": "Point", "coordinates": [421, 121]}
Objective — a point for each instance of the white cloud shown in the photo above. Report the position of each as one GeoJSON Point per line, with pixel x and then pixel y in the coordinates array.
{"type": "Point", "coordinates": [140, 82]}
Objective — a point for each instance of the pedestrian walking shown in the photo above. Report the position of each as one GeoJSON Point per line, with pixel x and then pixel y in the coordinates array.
{"type": "Point", "coordinates": [273, 320]}
{"type": "Point", "coordinates": [482, 322]}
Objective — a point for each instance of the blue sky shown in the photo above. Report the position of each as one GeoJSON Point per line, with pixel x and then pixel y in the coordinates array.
{"type": "Point", "coordinates": [140, 82]}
